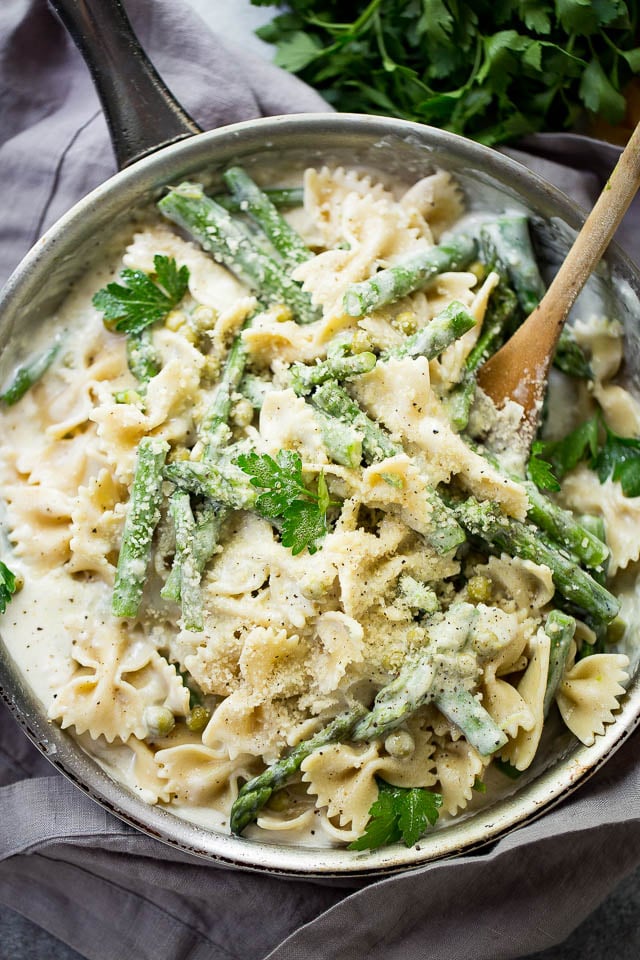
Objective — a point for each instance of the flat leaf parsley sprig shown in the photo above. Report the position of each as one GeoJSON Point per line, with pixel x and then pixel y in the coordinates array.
{"type": "Point", "coordinates": [302, 512]}
{"type": "Point", "coordinates": [399, 813]}
{"type": "Point", "coordinates": [141, 301]}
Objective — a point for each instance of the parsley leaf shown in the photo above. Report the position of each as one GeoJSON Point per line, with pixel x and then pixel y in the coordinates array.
{"type": "Point", "coordinates": [619, 458]}
{"type": "Point", "coordinates": [399, 813]}
{"type": "Point", "coordinates": [563, 455]}
{"type": "Point", "coordinates": [539, 470]}
{"type": "Point", "coordinates": [8, 586]}
{"type": "Point", "coordinates": [142, 301]}
{"type": "Point", "coordinates": [303, 513]}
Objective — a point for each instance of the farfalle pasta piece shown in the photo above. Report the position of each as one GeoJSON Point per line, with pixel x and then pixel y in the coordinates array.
{"type": "Point", "coordinates": [210, 283]}
{"type": "Point", "coordinates": [343, 776]}
{"type": "Point", "coordinates": [457, 764]}
{"type": "Point", "coordinates": [521, 750]}
{"type": "Point", "coordinates": [519, 586]}
{"type": "Point", "coordinates": [199, 776]}
{"type": "Point", "coordinates": [38, 524]}
{"type": "Point", "coordinates": [438, 199]}
{"type": "Point", "coordinates": [582, 491]}
{"type": "Point", "coordinates": [399, 394]}
{"type": "Point", "coordinates": [96, 526]}
{"type": "Point", "coordinates": [340, 645]}
{"type": "Point", "coordinates": [287, 423]}
{"type": "Point", "coordinates": [115, 682]}
{"type": "Point", "coordinates": [589, 694]}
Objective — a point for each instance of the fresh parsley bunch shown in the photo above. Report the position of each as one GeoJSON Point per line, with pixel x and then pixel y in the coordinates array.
{"type": "Point", "coordinates": [491, 70]}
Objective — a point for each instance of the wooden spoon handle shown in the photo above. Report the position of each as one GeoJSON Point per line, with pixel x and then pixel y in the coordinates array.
{"type": "Point", "coordinates": [594, 237]}
{"type": "Point", "coordinates": [519, 370]}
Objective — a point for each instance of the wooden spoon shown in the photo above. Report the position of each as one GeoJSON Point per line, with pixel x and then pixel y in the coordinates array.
{"type": "Point", "coordinates": [519, 370]}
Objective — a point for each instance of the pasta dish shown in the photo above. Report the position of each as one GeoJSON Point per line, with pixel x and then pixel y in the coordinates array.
{"type": "Point", "coordinates": [272, 557]}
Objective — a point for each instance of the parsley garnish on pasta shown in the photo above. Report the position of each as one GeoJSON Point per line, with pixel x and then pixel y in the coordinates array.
{"type": "Point", "coordinates": [399, 813]}
{"type": "Point", "coordinates": [139, 301]}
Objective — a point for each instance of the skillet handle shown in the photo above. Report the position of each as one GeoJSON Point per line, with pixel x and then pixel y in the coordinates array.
{"type": "Point", "coordinates": [141, 113]}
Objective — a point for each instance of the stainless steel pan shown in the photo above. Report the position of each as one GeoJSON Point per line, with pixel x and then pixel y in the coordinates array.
{"type": "Point", "coordinates": [152, 155]}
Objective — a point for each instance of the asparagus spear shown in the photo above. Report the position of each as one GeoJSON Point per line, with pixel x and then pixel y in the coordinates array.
{"type": "Point", "coordinates": [256, 793]}
{"type": "Point", "coordinates": [569, 357]}
{"type": "Point", "coordinates": [141, 521]}
{"type": "Point", "coordinates": [485, 521]}
{"type": "Point", "coordinates": [560, 629]}
{"type": "Point", "coordinates": [412, 273]}
{"type": "Point", "coordinates": [208, 523]}
{"type": "Point", "coordinates": [507, 242]}
{"type": "Point", "coordinates": [142, 359]}
{"type": "Point", "coordinates": [258, 205]}
{"type": "Point", "coordinates": [217, 232]}
{"type": "Point", "coordinates": [221, 482]}
{"type": "Point", "coordinates": [337, 367]}
{"type": "Point", "coordinates": [254, 389]}
{"type": "Point", "coordinates": [185, 527]}
{"type": "Point", "coordinates": [343, 442]}
{"type": "Point", "coordinates": [564, 528]}
{"type": "Point", "coordinates": [462, 708]}
{"type": "Point", "coordinates": [450, 324]}
{"type": "Point", "coordinates": [25, 377]}
{"type": "Point", "coordinates": [214, 427]}
{"type": "Point", "coordinates": [334, 400]}
{"type": "Point", "coordinates": [428, 675]}
{"type": "Point", "coordinates": [280, 197]}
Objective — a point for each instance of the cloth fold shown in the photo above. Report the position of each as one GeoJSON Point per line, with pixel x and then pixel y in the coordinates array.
{"type": "Point", "coordinates": [73, 868]}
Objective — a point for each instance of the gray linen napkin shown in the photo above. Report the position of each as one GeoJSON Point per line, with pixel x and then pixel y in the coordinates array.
{"type": "Point", "coordinates": [99, 885]}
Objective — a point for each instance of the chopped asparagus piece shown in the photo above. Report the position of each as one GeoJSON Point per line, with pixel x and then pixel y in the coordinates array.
{"type": "Point", "coordinates": [337, 367]}
{"type": "Point", "coordinates": [332, 399]}
{"type": "Point", "coordinates": [218, 233]}
{"type": "Point", "coordinates": [258, 205]}
{"type": "Point", "coordinates": [502, 306]}
{"type": "Point", "coordinates": [449, 325]}
{"type": "Point", "coordinates": [254, 389]}
{"type": "Point", "coordinates": [342, 441]}
{"type": "Point", "coordinates": [25, 377]}
{"type": "Point", "coordinates": [224, 483]}
{"type": "Point", "coordinates": [142, 358]}
{"type": "Point", "coordinates": [560, 629]}
{"type": "Point", "coordinates": [280, 197]}
{"type": "Point", "coordinates": [485, 521]}
{"type": "Point", "coordinates": [186, 561]}
{"type": "Point", "coordinates": [507, 241]}
{"type": "Point", "coordinates": [463, 709]}
{"type": "Point", "coordinates": [141, 521]}
{"type": "Point", "coordinates": [570, 358]}
{"type": "Point", "coordinates": [257, 792]}
{"type": "Point", "coordinates": [412, 273]}
{"type": "Point", "coordinates": [565, 529]}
